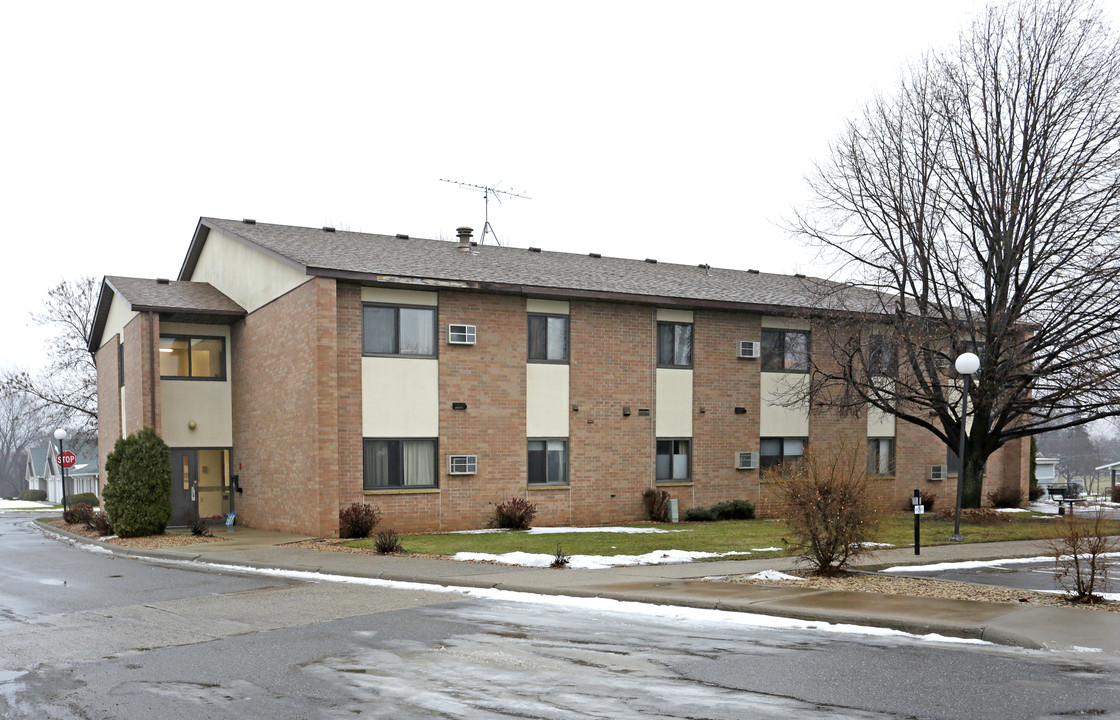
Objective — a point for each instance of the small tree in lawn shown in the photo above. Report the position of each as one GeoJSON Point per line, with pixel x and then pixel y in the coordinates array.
{"type": "Point", "coordinates": [138, 492]}
{"type": "Point", "coordinates": [826, 501]}
{"type": "Point", "coordinates": [1081, 555]}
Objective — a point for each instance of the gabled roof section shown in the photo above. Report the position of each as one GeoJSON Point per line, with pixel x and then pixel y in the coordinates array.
{"type": "Point", "coordinates": [365, 257]}
{"type": "Point", "coordinates": [170, 297]}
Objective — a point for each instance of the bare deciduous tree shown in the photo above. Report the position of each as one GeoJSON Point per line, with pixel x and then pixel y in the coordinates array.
{"type": "Point", "coordinates": [981, 201]}
{"type": "Point", "coordinates": [66, 390]}
{"type": "Point", "coordinates": [20, 428]}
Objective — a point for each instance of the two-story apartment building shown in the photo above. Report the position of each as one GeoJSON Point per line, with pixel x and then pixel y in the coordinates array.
{"type": "Point", "coordinates": [294, 371]}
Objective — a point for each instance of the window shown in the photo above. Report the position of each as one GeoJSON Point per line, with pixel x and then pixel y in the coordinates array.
{"type": "Point", "coordinates": [882, 361]}
{"type": "Point", "coordinates": [880, 456]}
{"type": "Point", "coordinates": [674, 344]}
{"type": "Point", "coordinates": [673, 460]}
{"type": "Point", "coordinates": [785, 350]}
{"type": "Point", "coordinates": [548, 462]}
{"type": "Point", "coordinates": [952, 461]}
{"type": "Point", "coordinates": [774, 451]}
{"type": "Point", "coordinates": [120, 364]}
{"type": "Point", "coordinates": [398, 330]}
{"type": "Point", "coordinates": [192, 357]}
{"type": "Point", "coordinates": [548, 338]}
{"type": "Point", "coordinates": [407, 463]}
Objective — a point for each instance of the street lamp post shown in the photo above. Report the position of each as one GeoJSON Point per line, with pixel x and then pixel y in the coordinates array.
{"type": "Point", "coordinates": [60, 435]}
{"type": "Point", "coordinates": [967, 363]}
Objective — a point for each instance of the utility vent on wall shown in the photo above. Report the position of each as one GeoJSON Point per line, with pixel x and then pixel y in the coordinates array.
{"type": "Point", "coordinates": [937, 472]}
{"type": "Point", "coordinates": [746, 461]}
{"type": "Point", "coordinates": [462, 464]}
{"type": "Point", "coordinates": [461, 334]}
{"type": "Point", "coordinates": [749, 349]}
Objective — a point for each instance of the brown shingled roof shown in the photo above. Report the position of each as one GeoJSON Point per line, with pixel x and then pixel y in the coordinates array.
{"type": "Point", "coordinates": [143, 294]}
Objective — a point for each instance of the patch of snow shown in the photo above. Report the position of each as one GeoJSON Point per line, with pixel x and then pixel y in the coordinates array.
{"type": "Point", "coordinates": [769, 549]}
{"type": "Point", "coordinates": [592, 562]}
{"type": "Point", "coordinates": [973, 564]}
{"type": "Point", "coordinates": [555, 530]}
{"type": "Point", "coordinates": [1010, 510]}
{"type": "Point", "coordinates": [773, 575]}
{"type": "Point", "coordinates": [874, 544]}
{"type": "Point", "coordinates": [722, 617]}
{"type": "Point", "coordinates": [25, 505]}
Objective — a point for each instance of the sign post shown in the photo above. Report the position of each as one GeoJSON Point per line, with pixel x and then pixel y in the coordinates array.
{"type": "Point", "coordinates": [919, 509]}
{"type": "Point", "coordinates": [65, 460]}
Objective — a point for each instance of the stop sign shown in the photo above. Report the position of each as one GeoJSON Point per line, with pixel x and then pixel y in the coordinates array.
{"type": "Point", "coordinates": [66, 459]}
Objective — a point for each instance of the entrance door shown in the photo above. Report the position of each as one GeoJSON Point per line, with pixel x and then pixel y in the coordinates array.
{"type": "Point", "coordinates": [184, 486]}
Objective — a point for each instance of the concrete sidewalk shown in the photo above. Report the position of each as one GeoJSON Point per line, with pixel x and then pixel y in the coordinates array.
{"type": "Point", "coordinates": [1092, 635]}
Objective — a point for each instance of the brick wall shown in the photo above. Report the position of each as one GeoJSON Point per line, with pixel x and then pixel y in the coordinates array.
{"type": "Point", "coordinates": [282, 372]}
{"type": "Point", "coordinates": [137, 376]}
{"type": "Point", "coordinates": [720, 383]}
{"type": "Point", "coordinates": [108, 403]}
{"type": "Point", "coordinates": [612, 366]}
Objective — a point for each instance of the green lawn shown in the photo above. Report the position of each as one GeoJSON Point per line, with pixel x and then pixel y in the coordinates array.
{"type": "Point", "coordinates": [716, 537]}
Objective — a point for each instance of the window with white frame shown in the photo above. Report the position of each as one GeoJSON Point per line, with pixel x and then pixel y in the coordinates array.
{"type": "Point", "coordinates": [548, 338]}
{"type": "Point", "coordinates": [398, 330]}
{"type": "Point", "coordinates": [398, 463]}
{"type": "Point", "coordinates": [785, 350]}
{"type": "Point", "coordinates": [880, 456]}
{"type": "Point", "coordinates": [548, 461]}
{"type": "Point", "coordinates": [773, 451]}
{"type": "Point", "coordinates": [674, 459]}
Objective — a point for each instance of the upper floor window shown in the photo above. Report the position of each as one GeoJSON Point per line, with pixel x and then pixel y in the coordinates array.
{"type": "Point", "coordinates": [192, 356]}
{"type": "Point", "coordinates": [881, 357]}
{"type": "Point", "coordinates": [548, 338]}
{"type": "Point", "coordinates": [785, 350]}
{"type": "Point", "coordinates": [398, 330]}
{"type": "Point", "coordinates": [120, 364]}
{"type": "Point", "coordinates": [674, 344]}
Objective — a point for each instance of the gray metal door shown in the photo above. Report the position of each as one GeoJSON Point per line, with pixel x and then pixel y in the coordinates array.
{"type": "Point", "coordinates": [184, 486]}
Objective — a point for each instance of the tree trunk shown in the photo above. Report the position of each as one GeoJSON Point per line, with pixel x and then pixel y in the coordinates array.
{"type": "Point", "coordinates": [972, 478]}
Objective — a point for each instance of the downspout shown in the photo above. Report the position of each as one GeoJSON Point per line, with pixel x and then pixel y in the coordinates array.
{"type": "Point", "coordinates": [152, 364]}
{"type": "Point", "coordinates": [653, 405]}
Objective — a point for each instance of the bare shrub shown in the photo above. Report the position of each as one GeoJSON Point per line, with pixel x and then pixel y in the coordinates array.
{"type": "Point", "coordinates": [656, 503]}
{"type": "Point", "coordinates": [827, 502]}
{"type": "Point", "coordinates": [1080, 555]}
{"type": "Point", "coordinates": [197, 525]}
{"type": "Point", "coordinates": [358, 520]}
{"type": "Point", "coordinates": [1005, 497]}
{"type": "Point", "coordinates": [387, 542]}
{"type": "Point", "coordinates": [77, 514]}
{"type": "Point", "coordinates": [560, 560]}
{"type": "Point", "coordinates": [99, 523]}
{"type": "Point", "coordinates": [514, 513]}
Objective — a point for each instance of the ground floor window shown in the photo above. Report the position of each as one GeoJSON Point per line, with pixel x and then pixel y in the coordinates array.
{"type": "Point", "coordinates": [772, 451]}
{"type": "Point", "coordinates": [674, 460]}
{"type": "Point", "coordinates": [880, 456]}
{"type": "Point", "coordinates": [548, 462]}
{"type": "Point", "coordinates": [403, 463]}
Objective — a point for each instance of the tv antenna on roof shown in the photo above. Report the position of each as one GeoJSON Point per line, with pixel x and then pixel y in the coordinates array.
{"type": "Point", "coordinates": [487, 191]}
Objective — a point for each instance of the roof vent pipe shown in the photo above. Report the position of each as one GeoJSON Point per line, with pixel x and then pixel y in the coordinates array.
{"type": "Point", "coordinates": [464, 237]}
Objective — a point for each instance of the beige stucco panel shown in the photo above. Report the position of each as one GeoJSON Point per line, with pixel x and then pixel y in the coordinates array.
{"type": "Point", "coordinates": [400, 397]}
{"type": "Point", "coordinates": [249, 276]}
{"type": "Point", "coordinates": [775, 419]}
{"type": "Point", "coordinates": [547, 307]}
{"type": "Point", "coordinates": [879, 423]}
{"type": "Point", "coordinates": [119, 316]}
{"type": "Point", "coordinates": [546, 400]}
{"type": "Point", "coordinates": [209, 403]}
{"type": "Point", "coordinates": [673, 315]}
{"type": "Point", "coordinates": [393, 296]}
{"type": "Point", "coordinates": [674, 403]}
{"type": "Point", "coordinates": [784, 323]}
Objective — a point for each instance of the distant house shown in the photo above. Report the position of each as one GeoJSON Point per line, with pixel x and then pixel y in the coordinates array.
{"type": "Point", "coordinates": [1046, 470]}
{"type": "Point", "coordinates": [42, 472]}
{"type": "Point", "coordinates": [1113, 470]}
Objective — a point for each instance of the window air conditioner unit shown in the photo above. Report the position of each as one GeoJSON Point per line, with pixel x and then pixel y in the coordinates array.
{"type": "Point", "coordinates": [746, 461]}
{"type": "Point", "coordinates": [462, 464]}
{"type": "Point", "coordinates": [749, 349]}
{"type": "Point", "coordinates": [461, 334]}
{"type": "Point", "coordinates": [937, 472]}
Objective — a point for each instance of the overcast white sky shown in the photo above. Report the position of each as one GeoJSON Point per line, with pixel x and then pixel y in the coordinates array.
{"type": "Point", "coordinates": [677, 131]}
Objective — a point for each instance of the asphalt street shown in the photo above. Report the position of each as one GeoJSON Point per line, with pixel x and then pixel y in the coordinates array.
{"type": "Point", "coordinates": [90, 635]}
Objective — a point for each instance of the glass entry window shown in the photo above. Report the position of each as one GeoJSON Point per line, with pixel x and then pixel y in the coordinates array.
{"type": "Point", "coordinates": [199, 484]}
